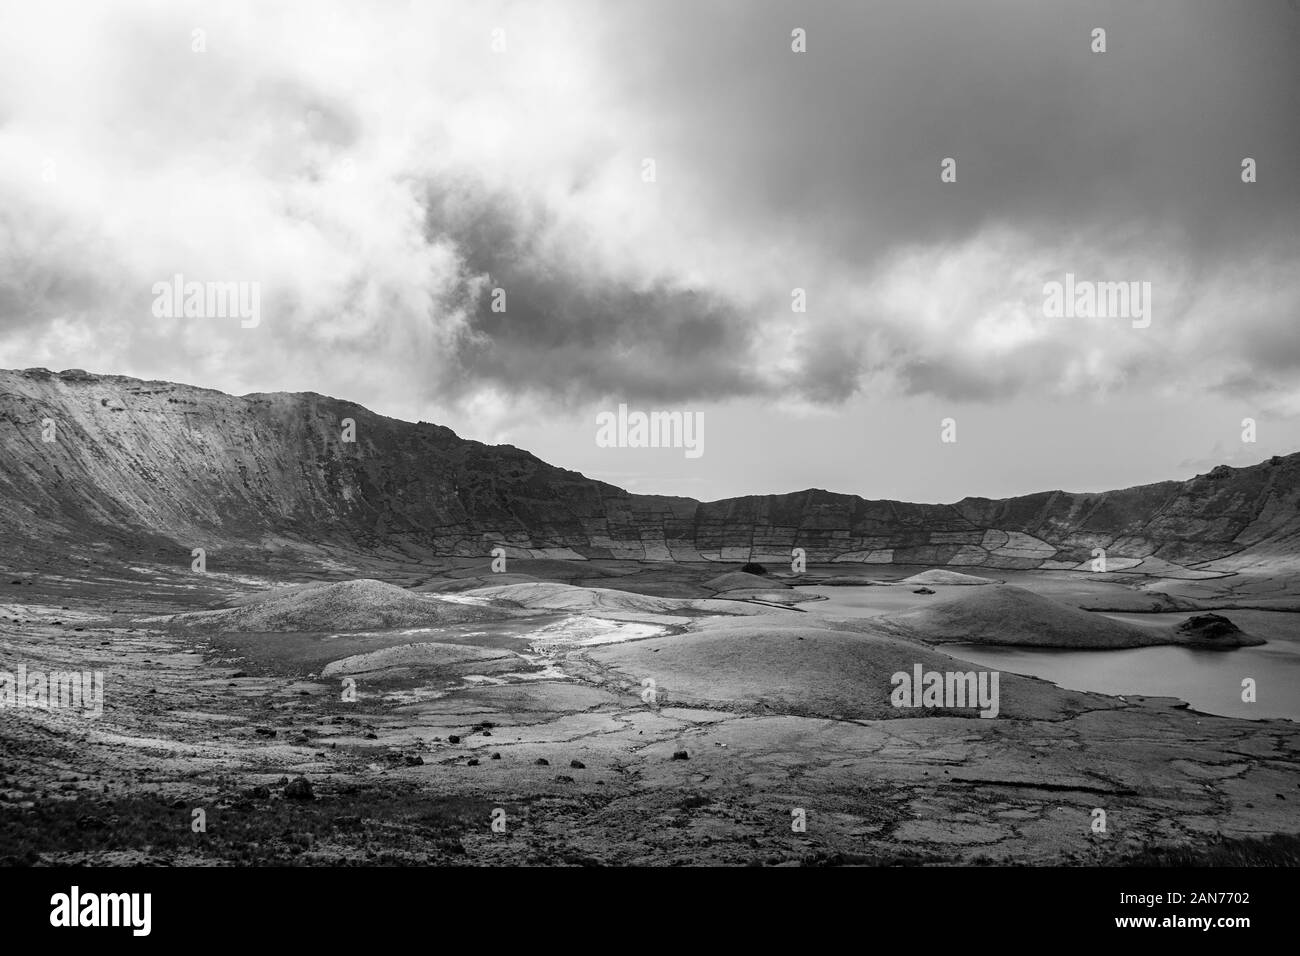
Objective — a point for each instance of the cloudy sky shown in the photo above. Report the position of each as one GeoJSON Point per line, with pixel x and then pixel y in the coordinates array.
{"type": "Point", "coordinates": [380, 168]}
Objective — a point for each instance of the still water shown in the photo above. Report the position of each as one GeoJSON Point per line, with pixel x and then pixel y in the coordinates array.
{"type": "Point", "coordinates": [1210, 681]}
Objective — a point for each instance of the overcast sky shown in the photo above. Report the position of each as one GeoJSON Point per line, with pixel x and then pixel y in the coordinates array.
{"type": "Point", "coordinates": [380, 168]}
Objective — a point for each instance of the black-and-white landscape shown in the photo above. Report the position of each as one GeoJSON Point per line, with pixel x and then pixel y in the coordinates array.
{"type": "Point", "coordinates": [649, 434]}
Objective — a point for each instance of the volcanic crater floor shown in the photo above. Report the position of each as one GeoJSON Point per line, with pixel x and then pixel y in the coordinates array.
{"type": "Point", "coordinates": [550, 723]}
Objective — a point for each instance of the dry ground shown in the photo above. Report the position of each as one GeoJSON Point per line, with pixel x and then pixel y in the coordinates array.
{"type": "Point", "coordinates": [542, 721]}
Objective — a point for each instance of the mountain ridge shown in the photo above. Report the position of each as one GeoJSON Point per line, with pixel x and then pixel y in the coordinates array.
{"type": "Point", "coordinates": [138, 460]}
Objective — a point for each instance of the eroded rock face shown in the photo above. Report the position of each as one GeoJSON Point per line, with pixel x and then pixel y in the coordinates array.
{"type": "Point", "coordinates": [137, 463]}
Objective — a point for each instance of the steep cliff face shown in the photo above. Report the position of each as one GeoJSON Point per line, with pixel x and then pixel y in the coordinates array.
{"type": "Point", "coordinates": [132, 461]}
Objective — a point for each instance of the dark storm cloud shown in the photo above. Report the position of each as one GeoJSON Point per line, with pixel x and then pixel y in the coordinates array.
{"type": "Point", "coordinates": [843, 143]}
{"type": "Point", "coordinates": [570, 331]}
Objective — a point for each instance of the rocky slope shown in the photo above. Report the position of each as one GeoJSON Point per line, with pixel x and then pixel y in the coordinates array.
{"type": "Point", "coordinates": [139, 465]}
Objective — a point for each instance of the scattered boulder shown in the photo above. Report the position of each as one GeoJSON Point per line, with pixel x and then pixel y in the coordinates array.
{"type": "Point", "coordinates": [299, 788]}
{"type": "Point", "coordinates": [923, 591]}
{"type": "Point", "coordinates": [1213, 631]}
{"type": "Point", "coordinates": [1208, 626]}
{"type": "Point", "coordinates": [542, 762]}
{"type": "Point", "coordinates": [681, 755]}
{"type": "Point", "coordinates": [577, 765]}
